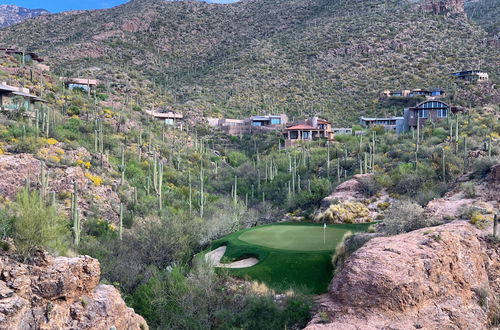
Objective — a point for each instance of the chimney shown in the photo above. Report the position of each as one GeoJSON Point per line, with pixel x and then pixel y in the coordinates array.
{"type": "Point", "coordinates": [314, 122]}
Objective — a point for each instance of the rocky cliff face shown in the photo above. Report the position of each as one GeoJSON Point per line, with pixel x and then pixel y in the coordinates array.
{"type": "Point", "coordinates": [444, 6]}
{"type": "Point", "coordinates": [439, 277]}
{"type": "Point", "coordinates": [60, 293]}
{"type": "Point", "coordinates": [10, 14]}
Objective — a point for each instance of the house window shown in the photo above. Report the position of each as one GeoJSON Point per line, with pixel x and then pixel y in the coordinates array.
{"type": "Point", "coordinates": [306, 135]}
{"type": "Point", "coordinates": [275, 121]}
{"type": "Point", "coordinates": [256, 123]}
{"type": "Point", "coordinates": [423, 114]}
{"type": "Point", "coordinates": [442, 113]}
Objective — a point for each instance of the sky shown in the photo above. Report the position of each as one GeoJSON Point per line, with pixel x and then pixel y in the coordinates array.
{"type": "Point", "coordinates": [56, 6]}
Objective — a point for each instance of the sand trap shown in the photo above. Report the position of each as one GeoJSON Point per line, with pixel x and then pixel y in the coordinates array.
{"type": "Point", "coordinates": [216, 255]}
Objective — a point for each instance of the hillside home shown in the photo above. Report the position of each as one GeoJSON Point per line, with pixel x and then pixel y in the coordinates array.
{"type": "Point", "coordinates": [472, 76]}
{"type": "Point", "coordinates": [433, 93]}
{"type": "Point", "coordinates": [170, 118]}
{"type": "Point", "coordinates": [395, 124]}
{"type": "Point", "coordinates": [251, 125]}
{"type": "Point", "coordinates": [341, 131]}
{"type": "Point", "coordinates": [27, 57]}
{"type": "Point", "coordinates": [308, 130]}
{"type": "Point", "coordinates": [15, 98]}
{"type": "Point", "coordinates": [83, 83]}
{"type": "Point", "coordinates": [424, 112]}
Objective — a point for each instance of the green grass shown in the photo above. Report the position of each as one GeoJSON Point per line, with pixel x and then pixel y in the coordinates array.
{"type": "Point", "coordinates": [291, 255]}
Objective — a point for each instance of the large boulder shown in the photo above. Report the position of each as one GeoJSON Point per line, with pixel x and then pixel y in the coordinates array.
{"type": "Point", "coordinates": [429, 278]}
{"type": "Point", "coordinates": [60, 293]}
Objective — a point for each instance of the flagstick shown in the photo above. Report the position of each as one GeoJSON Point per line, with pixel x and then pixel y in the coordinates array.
{"type": "Point", "coordinates": [324, 234]}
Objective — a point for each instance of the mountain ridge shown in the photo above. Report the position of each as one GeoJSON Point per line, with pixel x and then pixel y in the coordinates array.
{"type": "Point", "coordinates": [12, 14]}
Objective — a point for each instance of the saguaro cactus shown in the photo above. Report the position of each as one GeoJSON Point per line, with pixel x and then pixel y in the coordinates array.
{"type": "Point", "coordinates": [122, 166]}
{"type": "Point", "coordinates": [202, 199]}
{"type": "Point", "coordinates": [158, 180]}
{"type": "Point", "coordinates": [75, 214]}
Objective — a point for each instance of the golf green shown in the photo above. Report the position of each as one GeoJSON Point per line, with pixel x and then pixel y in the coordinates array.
{"type": "Point", "coordinates": [291, 255]}
{"type": "Point", "coordinates": [295, 238]}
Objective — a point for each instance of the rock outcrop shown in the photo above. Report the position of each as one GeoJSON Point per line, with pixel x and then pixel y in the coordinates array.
{"type": "Point", "coordinates": [350, 193]}
{"type": "Point", "coordinates": [444, 6]}
{"type": "Point", "coordinates": [60, 293]}
{"type": "Point", "coordinates": [16, 169]}
{"type": "Point", "coordinates": [430, 278]}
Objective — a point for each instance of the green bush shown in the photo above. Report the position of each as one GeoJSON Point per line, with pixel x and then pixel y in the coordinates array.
{"type": "Point", "coordinates": [404, 216]}
{"type": "Point", "coordinates": [37, 226]}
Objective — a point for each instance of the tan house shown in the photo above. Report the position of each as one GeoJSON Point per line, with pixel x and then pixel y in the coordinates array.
{"type": "Point", "coordinates": [168, 117]}
{"type": "Point", "coordinates": [83, 83]}
{"type": "Point", "coordinates": [250, 125]}
{"type": "Point", "coordinates": [308, 130]}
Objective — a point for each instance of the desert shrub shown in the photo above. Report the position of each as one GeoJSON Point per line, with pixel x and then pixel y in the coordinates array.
{"type": "Point", "coordinates": [469, 189]}
{"type": "Point", "coordinates": [349, 212]}
{"type": "Point", "coordinates": [404, 216]}
{"type": "Point", "coordinates": [38, 226]}
{"type": "Point", "coordinates": [348, 245]}
{"type": "Point", "coordinates": [368, 186]}
{"type": "Point", "coordinates": [482, 167]}
{"type": "Point", "coordinates": [6, 224]}
{"type": "Point", "coordinates": [236, 158]}
{"type": "Point", "coordinates": [29, 145]}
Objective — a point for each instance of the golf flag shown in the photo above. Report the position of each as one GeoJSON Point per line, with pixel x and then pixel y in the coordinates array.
{"type": "Point", "coordinates": [324, 233]}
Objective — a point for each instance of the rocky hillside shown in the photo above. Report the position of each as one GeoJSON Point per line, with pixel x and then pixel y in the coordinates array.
{"type": "Point", "coordinates": [60, 293]}
{"type": "Point", "coordinates": [315, 56]}
{"type": "Point", "coordinates": [11, 14]}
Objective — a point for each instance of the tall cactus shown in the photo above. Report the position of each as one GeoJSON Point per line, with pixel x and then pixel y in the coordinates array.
{"type": "Point", "coordinates": [202, 199]}
{"type": "Point", "coordinates": [75, 214]}
{"type": "Point", "coordinates": [122, 166]}
{"type": "Point", "coordinates": [235, 190]}
{"type": "Point", "coordinates": [120, 233]}
{"type": "Point", "coordinates": [158, 180]}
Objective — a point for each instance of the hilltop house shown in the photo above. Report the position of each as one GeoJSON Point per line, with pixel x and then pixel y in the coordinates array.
{"type": "Point", "coordinates": [307, 130]}
{"type": "Point", "coordinates": [16, 98]}
{"type": "Point", "coordinates": [472, 76]}
{"type": "Point", "coordinates": [342, 131]}
{"type": "Point", "coordinates": [250, 125]}
{"type": "Point", "coordinates": [395, 124]}
{"type": "Point", "coordinates": [425, 111]}
{"type": "Point", "coordinates": [432, 93]}
{"type": "Point", "coordinates": [27, 57]}
{"type": "Point", "coordinates": [83, 83]}
{"type": "Point", "coordinates": [168, 117]}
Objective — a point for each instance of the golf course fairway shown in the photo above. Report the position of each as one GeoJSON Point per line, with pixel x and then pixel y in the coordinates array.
{"type": "Point", "coordinates": [291, 255]}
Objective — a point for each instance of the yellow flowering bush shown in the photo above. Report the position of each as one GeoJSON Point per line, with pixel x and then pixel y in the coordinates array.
{"type": "Point", "coordinates": [54, 159]}
{"type": "Point", "coordinates": [52, 141]}
{"type": "Point", "coordinates": [350, 212]}
{"type": "Point", "coordinates": [96, 180]}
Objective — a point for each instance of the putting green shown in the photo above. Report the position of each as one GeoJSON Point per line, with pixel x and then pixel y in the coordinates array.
{"type": "Point", "coordinates": [294, 238]}
{"type": "Point", "coordinates": [289, 254]}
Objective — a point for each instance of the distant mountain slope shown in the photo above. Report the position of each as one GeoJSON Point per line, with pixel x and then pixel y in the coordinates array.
{"type": "Point", "coordinates": [11, 14]}
{"type": "Point", "coordinates": [330, 57]}
{"type": "Point", "coordinates": [486, 13]}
